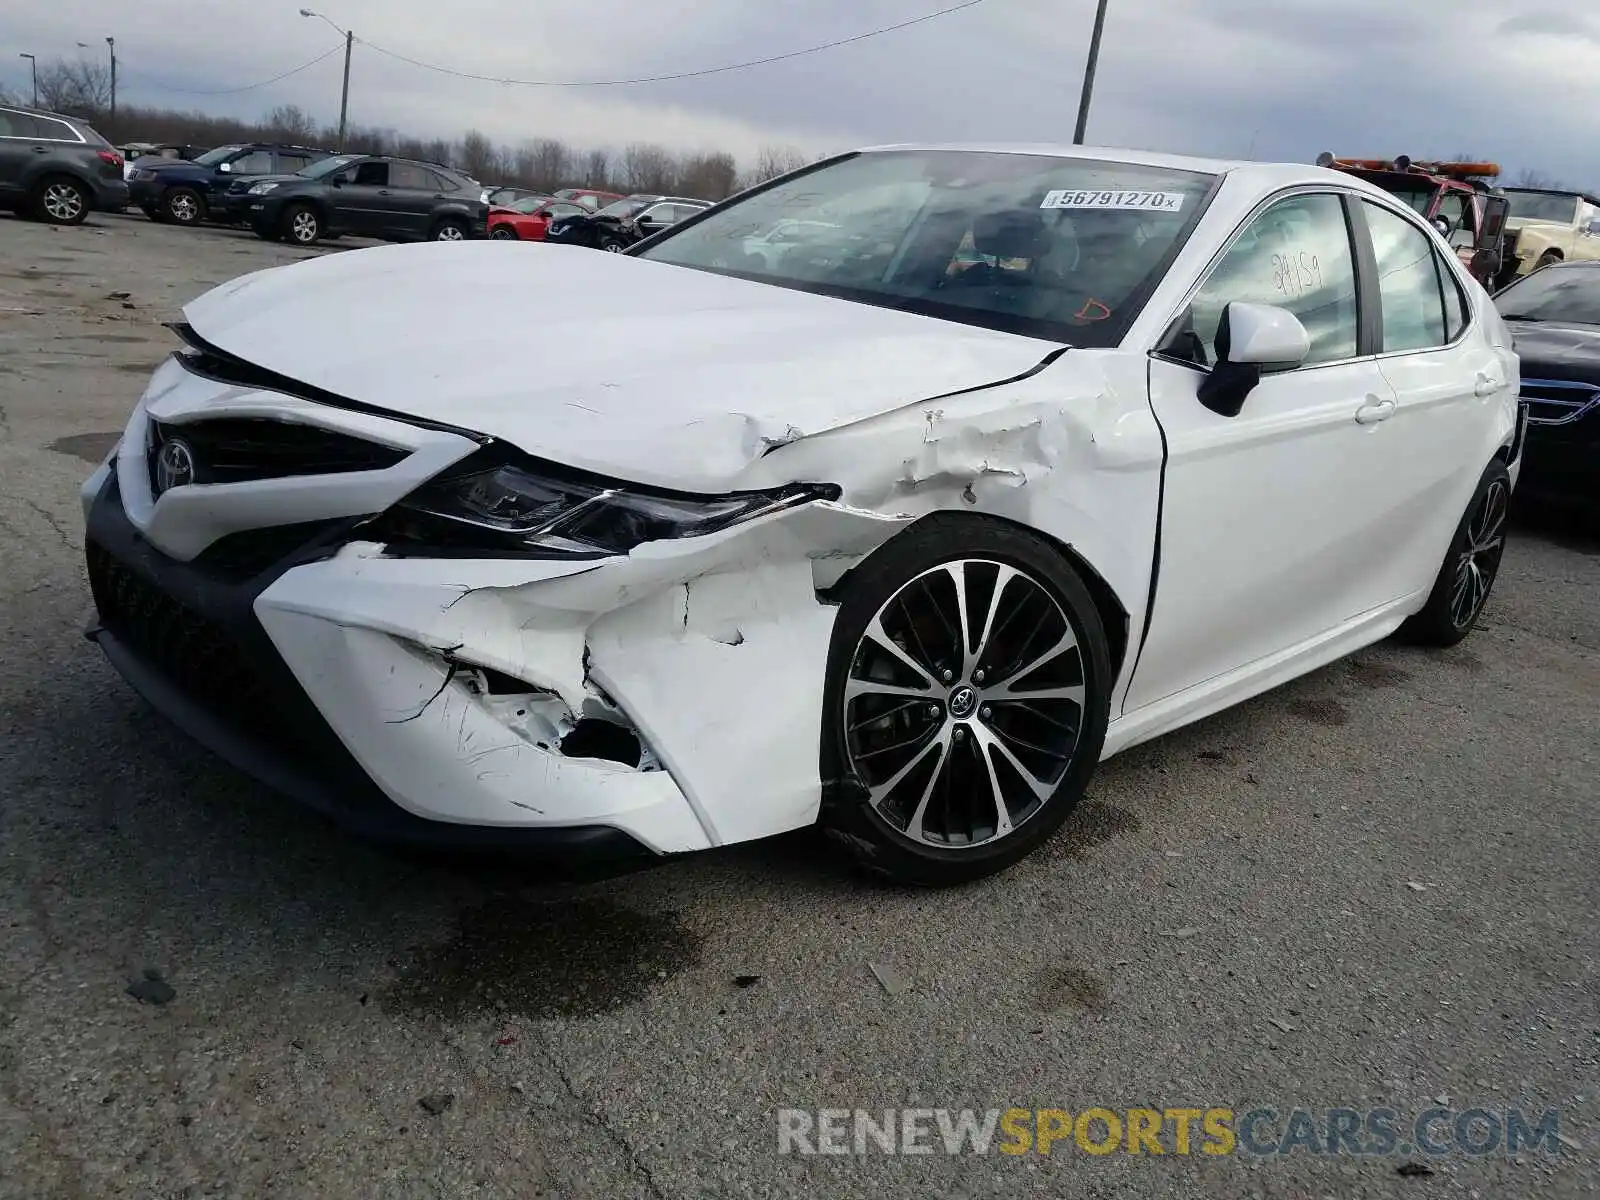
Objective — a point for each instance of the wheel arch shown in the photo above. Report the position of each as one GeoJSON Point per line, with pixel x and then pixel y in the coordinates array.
{"type": "Point", "coordinates": [47, 170]}
{"type": "Point", "coordinates": [1114, 615]}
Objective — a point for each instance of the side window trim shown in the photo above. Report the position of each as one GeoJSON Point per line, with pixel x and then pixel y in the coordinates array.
{"type": "Point", "coordinates": [1369, 300]}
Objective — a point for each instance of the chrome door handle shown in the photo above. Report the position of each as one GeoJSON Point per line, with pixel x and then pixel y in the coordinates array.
{"type": "Point", "coordinates": [1375, 410]}
{"type": "Point", "coordinates": [1487, 384]}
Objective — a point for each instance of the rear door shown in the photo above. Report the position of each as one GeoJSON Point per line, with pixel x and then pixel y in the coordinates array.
{"type": "Point", "coordinates": [17, 154]}
{"type": "Point", "coordinates": [1275, 523]}
{"type": "Point", "coordinates": [410, 199]}
{"type": "Point", "coordinates": [1449, 385]}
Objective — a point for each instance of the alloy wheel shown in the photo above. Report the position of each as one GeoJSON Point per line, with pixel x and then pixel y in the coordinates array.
{"type": "Point", "coordinates": [1479, 560]}
{"type": "Point", "coordinates": [450, 233]}
{"type": "Point", "coordinates": [964, 703]}
{"type": "Point", "coordinates": [615, 247]}
{"type": "Point", "coordinates": [303, 226]}
{"type": "Point", "coordinates": [183, 208]}
{"type": "Point", "coordinates": [63, 202]}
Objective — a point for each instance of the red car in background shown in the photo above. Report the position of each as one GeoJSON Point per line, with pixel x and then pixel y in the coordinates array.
{"type": "Point", "coordinates": [527, 219]}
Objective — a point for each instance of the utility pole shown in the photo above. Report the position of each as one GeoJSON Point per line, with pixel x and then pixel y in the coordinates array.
{"type": "Point", "coordinates": [1088, 72]}
{"type": "Point", "coordinates": [344, 92]}
{"type": "Point", "coordinates": [34, 63]}
{"type": "Point", "coordinates": [112, 43]}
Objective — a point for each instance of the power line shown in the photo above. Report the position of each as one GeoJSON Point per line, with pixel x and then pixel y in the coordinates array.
{"type": "Point", "coordinates": [739, 66]}
{"type": "Point", "coordinates": [249, 87]}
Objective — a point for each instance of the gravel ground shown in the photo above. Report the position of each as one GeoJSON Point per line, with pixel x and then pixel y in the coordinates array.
{"type": "Point", "coordinates": [1375, 887]}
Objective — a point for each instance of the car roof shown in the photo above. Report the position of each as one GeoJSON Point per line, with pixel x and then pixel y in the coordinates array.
{"type": "Point", "coordinates": [45, 112]}
{"type": "Point", "coordinates": [1266, 176]}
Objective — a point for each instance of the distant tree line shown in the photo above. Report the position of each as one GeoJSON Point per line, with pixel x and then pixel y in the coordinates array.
{"type": "Point", "coordinates": [81, 87]}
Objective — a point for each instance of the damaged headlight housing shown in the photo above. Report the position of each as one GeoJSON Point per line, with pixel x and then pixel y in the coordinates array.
{"type": "Point", "coordinates": [543, 510]}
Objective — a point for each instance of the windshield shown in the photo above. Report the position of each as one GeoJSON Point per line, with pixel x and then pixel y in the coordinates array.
{"type": "Point", "coordinates": [327, 166]}
{"type": "Point", "coordinates": [1566, 293]}
{"type": "Point", "coordinates": [529, 204]}
{"type": "Point", "coordinates": [1062, 248]}
{"type": "Point", "coordinates": [1542, 206]}
{"type": "Point", "coordinates": [212, 157]}
{"type": "Point", "coordinates": [622, 208]}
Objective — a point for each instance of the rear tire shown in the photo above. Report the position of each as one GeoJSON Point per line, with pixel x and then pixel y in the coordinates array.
{"type": "Point", "coordinates": [449, 230]}
{"type": "Point", "coordinates": [1471, 565]}
{"type": "Point", "coordinates": [1015, 749]}
{"type": "Point", "coordinates": [61, 200]}
{"type": "Point", "coordinates": [1547, 259]}
{"type": "Point", "coordinates": [184, 206]}
{"type": "Point", "coordinates": [504, 233]}
{"type": "Point", "coordinates": [612, 245]}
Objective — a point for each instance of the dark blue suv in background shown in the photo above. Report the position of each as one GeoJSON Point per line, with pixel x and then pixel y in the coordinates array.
{"type": "Point", "coordinates": [187, 193]}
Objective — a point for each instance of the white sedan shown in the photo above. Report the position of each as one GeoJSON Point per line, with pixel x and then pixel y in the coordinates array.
{"type": "Point", "coordinates": [1028, 455]}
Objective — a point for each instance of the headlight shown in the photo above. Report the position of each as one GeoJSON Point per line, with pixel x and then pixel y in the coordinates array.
{"type": "Point", "coordinates": [545, 511]}
{"type": "Point", "coordinates": [261, 189]}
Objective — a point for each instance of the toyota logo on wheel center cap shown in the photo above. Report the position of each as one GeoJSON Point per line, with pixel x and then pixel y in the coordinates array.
{"type": "Point", "coordinates": [963, 702]}
{"type": "Point", "coordinates": [174, 466]}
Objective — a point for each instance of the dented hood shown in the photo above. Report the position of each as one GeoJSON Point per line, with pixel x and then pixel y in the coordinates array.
{"type": "Point", "coordinates": [635, 369]}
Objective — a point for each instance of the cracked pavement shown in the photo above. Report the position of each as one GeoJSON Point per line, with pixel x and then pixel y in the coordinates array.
{"type": "Point", "coordinates": [634, 1036]}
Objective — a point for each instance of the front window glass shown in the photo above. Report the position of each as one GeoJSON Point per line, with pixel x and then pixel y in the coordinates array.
{"type": "Point", "coordinates": [328, 166]}
{"type": "Point", "coordinates": [1565, 293]}
{"type": "Point", "coordinates": [1542, 206]}
{"type": "Point", "coordinates": [1068, 249]}
{"type": "Point", "coordinates": [1295, 255]}
{"type": "Point", "coordinates": [212, 157]}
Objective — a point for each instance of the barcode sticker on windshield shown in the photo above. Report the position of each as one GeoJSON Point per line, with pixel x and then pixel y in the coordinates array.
{"type": "Point", "coordinates": [1170, 202]}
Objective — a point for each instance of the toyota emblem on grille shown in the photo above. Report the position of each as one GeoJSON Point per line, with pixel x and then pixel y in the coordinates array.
{"type": "Point", "coordinates": [174, 466]}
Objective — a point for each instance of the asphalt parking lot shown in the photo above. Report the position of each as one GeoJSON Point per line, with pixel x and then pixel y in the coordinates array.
{"type": "Point", "coordinates": [1376, 887]}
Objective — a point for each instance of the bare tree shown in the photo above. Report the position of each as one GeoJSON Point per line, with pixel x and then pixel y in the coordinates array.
{"type": "Point", "coordinates": [478, 156]}
{"type": "Point", "coordinates": [1530, 178]}
{"type": "Point", "coordinates": [291, 123]}
{"type": "Point", "coordinates": [76, 86]}
{"type": "Point", "coordinates": [596, 172]}
{"type": "Point", "coordinates": [545, 164]}
{"type": "Point", "coordinates": [647, 167]}
{"type": "Point", "coordinates": [708, 176]}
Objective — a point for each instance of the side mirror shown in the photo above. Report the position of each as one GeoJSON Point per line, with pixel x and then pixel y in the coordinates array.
{"type": "Point", "coordinates": [1443, 225]}
{"type": "Point", "coordinates": [340, 180]}
{"type": "Point", "coordinates": [1251, 339]}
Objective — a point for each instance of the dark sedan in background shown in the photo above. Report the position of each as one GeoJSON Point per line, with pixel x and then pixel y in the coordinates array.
{"type": "Point", "coordinates": [619, 225]}
{"type": "Point", "coordinates": [396, 199]}
{"type": "Point", "coordinates": [1554, 315]}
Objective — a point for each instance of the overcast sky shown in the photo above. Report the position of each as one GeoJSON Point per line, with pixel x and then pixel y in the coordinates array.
{"type": "Point", "coordinates": [1275, 79]}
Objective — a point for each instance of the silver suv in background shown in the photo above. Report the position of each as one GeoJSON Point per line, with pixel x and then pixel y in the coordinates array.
{"type": "Point", "coordinates": [57, 168]}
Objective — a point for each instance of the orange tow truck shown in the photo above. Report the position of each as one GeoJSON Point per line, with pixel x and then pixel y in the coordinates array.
{"type": "Point", "coordinates": [1455, 197]}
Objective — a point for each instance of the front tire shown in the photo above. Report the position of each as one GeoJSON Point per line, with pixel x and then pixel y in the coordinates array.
{"type": "Point", "coordinates": [966, 701]}
{"type": "Point", "coordinates": [302, 225]}
{"type": "Point", "coordinates": [184, 206]}
{"type": "Point", "coordinates": [1462, 586]}
{"type": "Point", "coordinates": [503, 233]}
{"type": "Point", "coordinates": [612, 245]}
{"type": "Point", "coordinates": [61, 200]}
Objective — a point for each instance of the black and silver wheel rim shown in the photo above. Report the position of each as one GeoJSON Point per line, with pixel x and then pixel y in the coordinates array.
{"type": "Point", "coordinates": [450, 233]}
{"type": "Point", "coordinates": [303, 226]}
{"type": "Point", "coordinates": [183, 208]}
{"type": "Point", "coordinates": [614, 247]}
{"type": "Point", "coordinates": [63, 202]}
{"type": "Point", "coordinates": [1479, 560]}
{"type": "Point", "coordinates": [964, 704]}
{"type": "Point", "coordinates": [503, 235]}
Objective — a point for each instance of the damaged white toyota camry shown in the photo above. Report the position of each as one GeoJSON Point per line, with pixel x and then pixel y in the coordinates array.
{"type": "Point", "coordinates": [892, 495]}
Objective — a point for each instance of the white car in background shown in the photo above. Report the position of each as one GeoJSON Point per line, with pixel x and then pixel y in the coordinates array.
{"type": "Point", "coordinates": [670, 549]}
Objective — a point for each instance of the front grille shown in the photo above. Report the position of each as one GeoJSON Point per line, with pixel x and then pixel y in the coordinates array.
{"type": "Point", "coordinates": [193, 653]}
{"type": "Point", "coordinates": [239, 449]}
{"type": "Point", "coordinates": [238, 557]}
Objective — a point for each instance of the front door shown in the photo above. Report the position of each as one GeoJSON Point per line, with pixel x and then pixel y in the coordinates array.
{"type": "Point", "coordinates": [1276, 523]}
